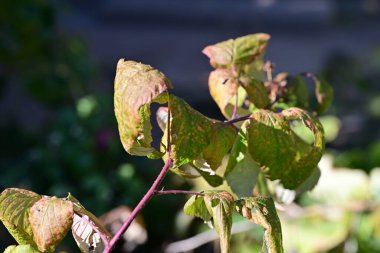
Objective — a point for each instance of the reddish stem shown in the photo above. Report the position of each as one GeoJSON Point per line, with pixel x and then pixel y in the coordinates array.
{"type": "Point", "coordinates": [140, 206]}
{"type": "Point", "coordinates": [177, 192]}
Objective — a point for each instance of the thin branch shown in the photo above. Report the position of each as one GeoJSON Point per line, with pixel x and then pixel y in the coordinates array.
{"type": "Point", "coordinates": [140, 205]}
{"type": "Point", "coordinates": [232, 121]}
{"type": "Point", "coordinates": [147, 196]}
{"type": "Point", "coordinates": [92, 225]}
{"type": "Point", "coordinates": [178, 192]}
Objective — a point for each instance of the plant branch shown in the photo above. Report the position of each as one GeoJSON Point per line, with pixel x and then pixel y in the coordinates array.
{"type": "Point", "coordinates": [177, 192]}
{"type": "Point", "coordinates": [147, 196]}
{"type": "Point", "coordinates": [232, 121]}
{"type": "Point", "coordinates": [140, 205]}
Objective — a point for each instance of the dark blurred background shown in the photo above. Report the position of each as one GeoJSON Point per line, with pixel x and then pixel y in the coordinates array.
{"type": "Point", "coordinates": [58, 60]}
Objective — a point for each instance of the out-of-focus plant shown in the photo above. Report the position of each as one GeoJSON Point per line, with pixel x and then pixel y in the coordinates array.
{"type": "Point", "coordinates": [357, 145]}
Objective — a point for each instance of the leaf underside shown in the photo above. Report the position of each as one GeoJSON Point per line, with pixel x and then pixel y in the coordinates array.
{"type": "Point", "coordinates": [262, 211]}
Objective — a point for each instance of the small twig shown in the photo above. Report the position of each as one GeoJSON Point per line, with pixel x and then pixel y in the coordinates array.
{"type": "Point", "coordinates": [232, 121]}
{"type": "Point", "coordinates": [162, 192]}
{"type": "Point", "coordinates": [92, 225]}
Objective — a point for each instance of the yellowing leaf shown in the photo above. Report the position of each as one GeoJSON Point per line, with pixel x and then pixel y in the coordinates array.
{"type": "Point", "coordinates": [261, 210]}
{"type": "Point", "coordinates": [280, 152]}
{"type": "Point", "coordinates": [224, 88]}
{"type": "Point", "coordinates": [194, 136]}
{"type": "Point", "coordinates": [220, 205]}
{"type": "Point", "coordinates": [136, 87]}
{"type": "Point", "coordinates": [50, 219]}
{"type": "Point", "coordinates": [21, 249]}
{"type": "Point", "coordinates": [15, 206]}
{"type": "Point", "coordinates": [240, 51]}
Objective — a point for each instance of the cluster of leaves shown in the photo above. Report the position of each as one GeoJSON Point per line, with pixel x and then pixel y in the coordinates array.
{"type": "Point", "coordinates": [39, 223]}
{"type": "Point", "coordinates": [265, 143]}
{"type": "Point", "coordinates": [257, 140]}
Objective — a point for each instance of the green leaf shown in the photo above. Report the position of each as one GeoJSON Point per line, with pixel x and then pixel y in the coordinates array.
{"type": "Point", "coordinates": [324, 94]}
{"type": "Point", "coordinates": [50, 219]}
{"type": "Point", "coordinates": [281, 153]}
{"type": "Point", "coordinates": [262, 211]}
{"type": "Point", "coordinates": [193, 135]}
{"type": "Point", "coordinates": [310, 182]}
{"type": "Point", "coordinates": [221, 140]}
{"type": "Point", "coordinates": [207, 173]}
{"type": "Point", "coordinates": [256, 91]}
{"type": "Point", "coordinates": [21, 249]}
{"type": "Point", "coordinates": [297, 93]}
{"type": "Point", "coordinates": [249, 48]}
{"type": "Point", "coordinates": [136, 87]}
{"type": "Point", "coordinates": [15, 206]}
{"type": "Point", "coordinates": [241, 171]}
{"type": "Point", "coordinates": [196, 206]}
{"type": "Point", "coordinates": [220, 205]}
{"type": "Point", "coordinates": [87, 239]}
{"type": "Point", "coordinates": [306, 156]}
{"type": "Point", "coordinates": [224, 88]}
{"type": "Point", "coordinates": [241, 51]}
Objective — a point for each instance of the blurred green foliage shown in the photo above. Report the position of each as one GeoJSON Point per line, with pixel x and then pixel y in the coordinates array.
{"type": "Point", "coordinates": [357, 105]}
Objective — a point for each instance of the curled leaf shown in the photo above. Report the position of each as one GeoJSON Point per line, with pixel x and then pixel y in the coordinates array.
{"type": "Point", "coordinates": [261, 210]}
{"type": "Point", "coordinates": [220, 205]}
{"type": "Point", "coordinates": [87, 239]}
{"type": "Point", "coordinates": [50, 219]}
{"type": "Point", "coordinates": [136, 87]}
{"type": "Point", "coordinates": [15, 207]}
{"type": "Point", "coordinates": [280, 152]}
